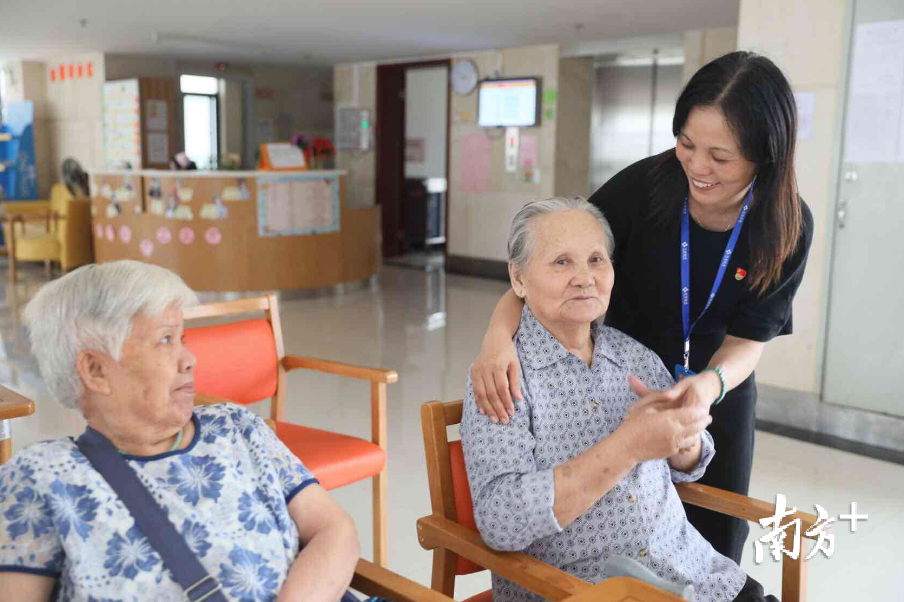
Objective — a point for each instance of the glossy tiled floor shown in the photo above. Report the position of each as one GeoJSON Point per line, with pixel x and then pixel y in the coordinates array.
{"type": "Point", "coordinates": [428, 326]}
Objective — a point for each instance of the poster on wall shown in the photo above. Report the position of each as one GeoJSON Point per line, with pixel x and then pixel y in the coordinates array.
{"type": "Point", "coordinates": [875, 121]}
{"type": "Point", "coordinates": [297, 204]}
{"type": "Point", "coordinates": [156, 115]}
{"type": "Point", "coordinates": [158, 147]}
{"type": "Point", "coordinates": [122, 125]}
{"type": "Point", "coordinates": [18, 175]}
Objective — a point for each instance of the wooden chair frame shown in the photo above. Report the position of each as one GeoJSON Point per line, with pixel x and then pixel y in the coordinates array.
{"type": "Point", "coordinates": [50, 217]}
{"type": "Point", "coordinates": [12, 405]}
{"type": "Point", "coordinates": [442, 533]}
{"type": "Point", "coordinates": [378, 378]}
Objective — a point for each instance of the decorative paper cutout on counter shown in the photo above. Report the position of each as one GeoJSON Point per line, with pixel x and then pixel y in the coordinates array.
{"type": "Point", "coordinates": [113, 210]}
{"type": "Point", "coordinates": [185, 194]}
{"type": "Point", "coordinates": [239, 192]}
{"type": "Point", "coordinates": [109, 232]}
{"type": "Point", "coordinates": [157, 207]}
{"type": "Point", "coordinates": [146, 247]}
{"type": "Point", "coordinates": [93, 211]}
{"type": "Point", "coordinates": [155, 189]}
{"type": "Point", "coordinates": [125, 233]}
{"type": "Point", "coordinates": [186, 235]}
{"type": "Point", "coordinates": [184, 213]}
{"type": "Point", "coordinates": [164, 235]}
{"type": "Point", "coordinates": [215, 210]}
{"type": "Point", "coordinates": [213, 236]}
{"type": "Point", "coordinates": [99, 230]}
{"type": "Point", "coordinates": [124, 194]}
{"type": "Point", "coordinates": [106, 191]}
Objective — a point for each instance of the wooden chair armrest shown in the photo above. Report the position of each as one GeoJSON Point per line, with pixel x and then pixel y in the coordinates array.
{"type": "Point", "coordinates": [376, 375]}
{"type": "Point", "coordinates": [537, 576]}
{"type": "Point", "coordinates": [206, 399]}
{"type": "Point", "coordinates": [374, 580]}
{"type": "Point", "coordinates": [738, 506]}
{"type": "Point", "coordinates": [13, 405]}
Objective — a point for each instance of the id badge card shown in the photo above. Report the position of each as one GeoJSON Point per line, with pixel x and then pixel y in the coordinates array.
{"type": "Point", "coordinates": [682, 372]}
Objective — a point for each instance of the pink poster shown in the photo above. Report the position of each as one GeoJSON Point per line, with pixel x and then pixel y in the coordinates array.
{"type": "Point", "coordinates": [527, 154]}
{"type": "Point", "coordinates": [111, 235]}
{"type": "Point", "coordinates": [125, 234]}
{"type": "Point", "coordinates": [99, 230]}
{"type": "Point", "coordinates": [146, 247]}
{"type": "Point", "coordinates": [475, 163]}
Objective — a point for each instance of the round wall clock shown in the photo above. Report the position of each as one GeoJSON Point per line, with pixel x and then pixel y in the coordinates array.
{"type": "Point", "coordinates": [464, 76]}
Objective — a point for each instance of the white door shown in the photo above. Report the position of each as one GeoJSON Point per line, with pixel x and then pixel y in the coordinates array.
{"type": "Point", "coordinates": [865, 340]}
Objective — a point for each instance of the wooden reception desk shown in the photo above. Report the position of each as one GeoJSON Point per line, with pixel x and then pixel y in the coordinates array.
{"type": "Point", "coordinates": [236, 230]}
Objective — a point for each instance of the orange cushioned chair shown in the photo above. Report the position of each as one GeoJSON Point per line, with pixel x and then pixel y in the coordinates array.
{"type": "Point", "coordinates": [245, 362]}
{"type": "Point", "coordinates": [458, 549]}
{"type": "Point", "coordinates": [12, 405]}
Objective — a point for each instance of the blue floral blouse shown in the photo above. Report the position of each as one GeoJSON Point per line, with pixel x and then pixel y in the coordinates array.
{"type": "Point", "coordinates": [227, 493]}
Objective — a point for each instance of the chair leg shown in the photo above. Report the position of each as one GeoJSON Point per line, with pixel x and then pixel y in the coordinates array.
{"type": "Point", "coordinates": [381, 515]}
{"type": "Point", "coordinates": [794, 576]}
{"type": "Point", "coordinates": [48, 268]}
{"type": "Point", "coordinates": [443, 578]}
{"type": "Point", "coordinates": [12, 268]}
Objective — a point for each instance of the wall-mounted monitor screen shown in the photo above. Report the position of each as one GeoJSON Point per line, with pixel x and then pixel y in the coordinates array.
{"type": "Point", "coordinates": [509, 102]}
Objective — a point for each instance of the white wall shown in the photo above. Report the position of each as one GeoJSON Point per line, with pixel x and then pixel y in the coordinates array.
{"type": "Point", "coordinates": [426, 106]}
{"type": "Point", "coordinates": [805, 39]}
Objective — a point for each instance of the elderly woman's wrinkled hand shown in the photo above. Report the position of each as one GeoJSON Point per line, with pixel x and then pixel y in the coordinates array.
{"type": "Point", "coordinates": [496, 378]}
{"type": "Point", "coordinates": [657, 432]}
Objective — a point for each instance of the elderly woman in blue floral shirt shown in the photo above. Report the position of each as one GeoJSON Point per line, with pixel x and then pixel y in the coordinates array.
{"type": "Point", "coordinates": [108, 339]}
{"type": "Point", "coordinates": [582, 473]}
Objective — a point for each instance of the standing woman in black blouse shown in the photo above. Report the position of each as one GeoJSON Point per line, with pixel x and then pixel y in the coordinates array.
{"type": "Point", "coordinates": [711, 241]}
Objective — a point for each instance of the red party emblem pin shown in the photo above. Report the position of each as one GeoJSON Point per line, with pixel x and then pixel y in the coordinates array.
{"type": "Point", "coordinates": [739, 275]}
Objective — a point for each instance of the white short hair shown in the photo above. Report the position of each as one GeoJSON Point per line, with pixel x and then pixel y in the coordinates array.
{"type": "Point", "coordinates": [521, 241]}
{"type": "Point", "coordinates": [92, 308]}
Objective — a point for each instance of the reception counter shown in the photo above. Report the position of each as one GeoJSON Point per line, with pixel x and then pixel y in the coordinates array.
{"type": "Point", "coordinates": [236, 230]}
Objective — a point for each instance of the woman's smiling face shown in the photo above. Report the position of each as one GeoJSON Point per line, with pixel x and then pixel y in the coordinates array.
{"type": "Point", "coordinates": [717, 172]}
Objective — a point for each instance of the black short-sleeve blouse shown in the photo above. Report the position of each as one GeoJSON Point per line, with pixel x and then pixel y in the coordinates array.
{"type": "Point", "coordinates": [646, 298]}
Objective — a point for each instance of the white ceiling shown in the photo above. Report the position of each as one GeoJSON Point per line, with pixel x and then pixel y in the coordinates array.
{"type": "Point", "coordinates": [333, 31]}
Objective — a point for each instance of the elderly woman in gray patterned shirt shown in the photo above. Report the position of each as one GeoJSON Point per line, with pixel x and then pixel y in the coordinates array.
{"type": "Point", "coordinates": [580, 474]}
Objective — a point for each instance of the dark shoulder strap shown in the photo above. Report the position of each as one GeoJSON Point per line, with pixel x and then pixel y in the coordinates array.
{"type": "Point", "coordinates": [187, 570]}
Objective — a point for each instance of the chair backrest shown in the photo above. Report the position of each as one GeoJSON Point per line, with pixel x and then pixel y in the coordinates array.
{"type": "Point", "coordinates": [450, 493]}
{"type": "Point", "coordinates": [59, 198]}
{"type": "Point", "coordinates": [243, 360]}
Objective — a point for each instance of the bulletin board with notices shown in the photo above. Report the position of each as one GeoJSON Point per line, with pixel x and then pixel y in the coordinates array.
{"type": "Point", "coordinates": [122, 124]}
{"type": "Point", "coordinates": [289, 205]}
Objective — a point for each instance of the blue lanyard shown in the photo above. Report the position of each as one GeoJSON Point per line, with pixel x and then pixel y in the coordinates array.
{"type": "Point", "coordinates": [686, 270]}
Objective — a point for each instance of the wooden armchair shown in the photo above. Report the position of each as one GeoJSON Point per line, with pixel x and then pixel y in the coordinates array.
{"type": "Point", "coordinates": [245, 362]}
{"type": "Point", "coordinates": [12, 405]}
{"type": "Point", "coordinates": [58, 230]}
{"type": "Point", "coordinates": [458, 549]}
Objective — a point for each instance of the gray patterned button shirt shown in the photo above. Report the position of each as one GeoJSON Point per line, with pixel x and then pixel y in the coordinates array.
{"type": "Point", "coordinates": [569, 407]}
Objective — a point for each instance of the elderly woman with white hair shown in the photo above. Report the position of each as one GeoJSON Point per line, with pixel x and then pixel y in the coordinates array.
{"type": "Point", "coordinates": [109, 342]}
{"type": "Point", "coordinates": [581, 473]}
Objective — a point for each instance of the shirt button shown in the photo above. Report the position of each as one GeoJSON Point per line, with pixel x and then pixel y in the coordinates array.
{"type": "Point", "coordinates": [632, 498]}
{"type": "Point", "coordinates": [643, 553]}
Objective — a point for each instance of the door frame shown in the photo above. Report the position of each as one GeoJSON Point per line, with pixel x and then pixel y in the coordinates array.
{"type": "Point", "coordinates": [390, 148]}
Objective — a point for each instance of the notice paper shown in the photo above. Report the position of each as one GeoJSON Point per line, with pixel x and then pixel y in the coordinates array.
{"type": "Point", "coordinates": [297, 204]}
{"type": "Point", "coordinates": [475, 162]}
{"type": "Point", "coordinates": [874, 132]}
